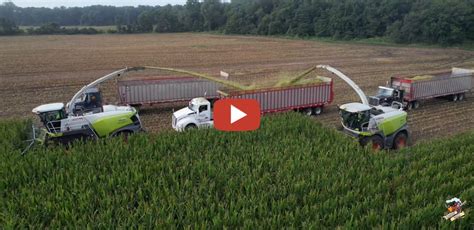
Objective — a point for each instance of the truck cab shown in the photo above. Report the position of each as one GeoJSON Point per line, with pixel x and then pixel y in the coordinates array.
{"type": "Point", "coordinates": [198, 114]}
{"type": "Point", "coordinates": [382, 126]}
{"type": "Point", "coordinates": [386, 96]}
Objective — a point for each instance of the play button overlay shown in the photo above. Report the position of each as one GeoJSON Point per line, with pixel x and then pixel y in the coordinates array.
{"type": "Point", "coordinates": [237, 115]}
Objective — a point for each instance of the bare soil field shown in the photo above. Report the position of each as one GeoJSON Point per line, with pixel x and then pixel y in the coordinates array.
{"type": "Point", "coordinates": [43, 69]}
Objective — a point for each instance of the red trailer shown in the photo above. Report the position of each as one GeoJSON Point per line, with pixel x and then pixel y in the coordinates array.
{"type": "Point", "coordinates": [410, 90]}
{"type": "Point", "coordinates": [309, 98]}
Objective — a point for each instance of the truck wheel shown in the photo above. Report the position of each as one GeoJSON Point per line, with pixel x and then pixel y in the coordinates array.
{"type": "Point", "coordinates": [454, 98]}
{"type": "Point", "coordinates": [375, 142]}
{"type": "Point", "coordinates": [461, 97]}
{"type": "Point", "coordinates": [409, 106]}
{"type": "Point", "coordinates": [416, 105]}
{"type": "Point", "coordinates": [317, 110]}
{"type": "Point", "coordinates": [190, 126]}
{"type": "Point", "coordinates": [400, 141]}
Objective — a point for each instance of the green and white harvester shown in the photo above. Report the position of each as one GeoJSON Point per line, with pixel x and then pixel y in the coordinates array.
{"type": "Point", "coordinates": [84, 117]}
{"type": "Point", "coordinates": [381, 127]}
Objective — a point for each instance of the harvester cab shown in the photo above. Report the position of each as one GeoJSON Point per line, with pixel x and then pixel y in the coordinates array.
{"type": "Point", "coordinates": [89, 102]}
{"type": "Point", "coordinates": [51, 115]}
{"type": "Point", "coordinates": [355, 116]}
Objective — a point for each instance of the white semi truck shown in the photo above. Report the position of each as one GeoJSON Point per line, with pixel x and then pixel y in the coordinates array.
{"type": "Point", "coordinates": [308, 98]}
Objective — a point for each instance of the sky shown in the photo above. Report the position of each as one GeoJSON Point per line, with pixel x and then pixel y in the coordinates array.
{"type": "Point", "coordinates": [70, 3]}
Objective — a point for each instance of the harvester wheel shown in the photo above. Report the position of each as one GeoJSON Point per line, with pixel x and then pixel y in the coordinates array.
{"type": "Point", "coordinates": [317, 110]}
{"type": "Point", "coordinates": [124, 135]}
{"type": "Point", "coordinates": [400, 141]}
{"type": "Point", "coordinates": [375, 142]}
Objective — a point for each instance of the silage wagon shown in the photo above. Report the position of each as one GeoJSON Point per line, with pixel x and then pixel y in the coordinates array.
{"type": "Point", "coordinates": [308, 98]}
{"type": "Point", "coordinates": [411, 90]}
{"type": "Point", "coordinates": [137, 92]}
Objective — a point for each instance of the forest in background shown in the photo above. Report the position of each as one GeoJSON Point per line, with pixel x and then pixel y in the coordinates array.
{"type": "Point", "coordinates": [443, 22]}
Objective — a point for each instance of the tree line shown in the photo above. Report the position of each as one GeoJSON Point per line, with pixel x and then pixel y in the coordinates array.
{"type": "Point", "coordinates": [405, 21]}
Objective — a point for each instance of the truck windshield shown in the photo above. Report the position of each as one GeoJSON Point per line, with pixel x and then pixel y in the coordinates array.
{"type": "Point", "coordinates": [192, 107]}
{"type": "Point", "coordinates": [355, 121]}
{"type": "Point", "coordinates": [385, 92]}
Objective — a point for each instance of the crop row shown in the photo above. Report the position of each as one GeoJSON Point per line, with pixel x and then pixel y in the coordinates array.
{"type": "Point", "coordinates": [292, 172]}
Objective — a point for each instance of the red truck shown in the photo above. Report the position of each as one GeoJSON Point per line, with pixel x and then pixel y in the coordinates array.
{"type": "Point", "coordinates": [411, 90]}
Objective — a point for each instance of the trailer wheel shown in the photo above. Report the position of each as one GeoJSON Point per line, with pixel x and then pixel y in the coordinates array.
{"type": "Point", "coordinates": [409, 106]}
{"type": "Point", "coordinates": [308, 111]}
{"type": "Point", "coordinates": [461, 97]}
{"type": "Point", "coordinates": [400, 141]}
{"type": "Point", "coordinates": [317, 110]}
{"type": "Point", "coordinates": [416, 104]}
{"type": "Point", "coordinates": [454, 98]}
{"type": "Point", "coordinates": [190, 126]}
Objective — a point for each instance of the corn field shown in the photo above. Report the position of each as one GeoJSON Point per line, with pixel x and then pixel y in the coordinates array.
{"type": "Point", "coordinates": [292, 172]}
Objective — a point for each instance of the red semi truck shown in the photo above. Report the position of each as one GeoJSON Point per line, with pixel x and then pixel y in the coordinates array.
{"type": "Point", "coordinates": [163, 90]}
{"type": "Point", "coordinates": [309, 98]}
{"type": "Point", "coordinates": [411, 90]}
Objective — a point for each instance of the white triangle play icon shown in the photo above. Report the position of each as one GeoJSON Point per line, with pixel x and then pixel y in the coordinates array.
{"type": "Point", "coordinates": [236, 114]}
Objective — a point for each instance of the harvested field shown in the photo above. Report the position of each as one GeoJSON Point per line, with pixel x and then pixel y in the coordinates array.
{"type": "Point", "coordinates": [43, 69]}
